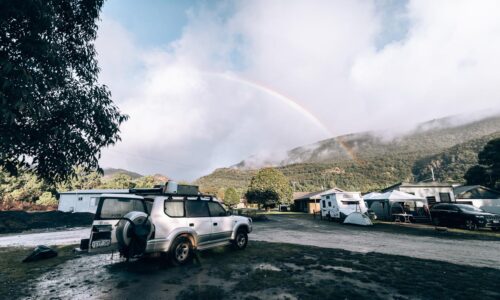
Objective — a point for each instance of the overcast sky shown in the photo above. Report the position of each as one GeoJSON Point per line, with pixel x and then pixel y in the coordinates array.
{"type": "Point", "coordinates": [207, 84]}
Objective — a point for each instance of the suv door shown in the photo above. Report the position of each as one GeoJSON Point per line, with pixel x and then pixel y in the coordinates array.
{"type": "Point", "coordinates": [222, 224]}
{"type": "Point", "coordinates": [199, 219]}
{"type": "Point", "coordinates": [110, 210]}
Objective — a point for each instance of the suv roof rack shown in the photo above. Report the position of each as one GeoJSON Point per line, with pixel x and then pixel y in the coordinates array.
{"type": "Point", "coordinates": [159, 192]}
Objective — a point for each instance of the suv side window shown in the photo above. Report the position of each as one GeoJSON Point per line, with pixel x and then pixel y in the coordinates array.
{"type": "Point", "coordinates": [174, 208]}
{"type": "Point", "coordinates": [196, 209]}
{"type": "Point", "coordinates": [216, 210]}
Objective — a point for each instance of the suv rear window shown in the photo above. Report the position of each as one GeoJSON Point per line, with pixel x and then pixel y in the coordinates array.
{"type": "Point", "coordinates": [174, 208]}
{"type": "Point", "coordinates": [115, 208]}
{"type": "Point", "coordinates": [196, 209]}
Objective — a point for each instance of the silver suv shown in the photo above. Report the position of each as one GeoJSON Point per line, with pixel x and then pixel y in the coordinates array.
{"type": "Point", "coordinates": [172, 224]}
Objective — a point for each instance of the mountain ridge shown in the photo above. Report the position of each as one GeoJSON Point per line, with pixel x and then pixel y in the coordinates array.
{"type": "Point", "coordinates": [378, 162]}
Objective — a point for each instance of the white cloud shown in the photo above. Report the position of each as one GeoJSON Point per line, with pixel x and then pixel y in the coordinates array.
{"type": "Point", "coordinates": [196, 104]}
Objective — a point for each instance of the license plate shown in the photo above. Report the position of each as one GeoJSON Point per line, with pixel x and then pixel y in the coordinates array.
{"type": "Point", "coordinates": [496, 221]}
{"type": "Point", "coordinates": [100, 243]}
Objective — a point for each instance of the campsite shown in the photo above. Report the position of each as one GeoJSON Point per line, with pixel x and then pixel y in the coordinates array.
{"type": "Point", "coordinates": [319, 258]}
{"type": "Point", "coordinates": [249, 149]}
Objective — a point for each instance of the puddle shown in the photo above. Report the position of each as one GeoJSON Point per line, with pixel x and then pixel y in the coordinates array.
{"type": "Point", "coordinates": [343, 269]}
{"type": "Point", "coordinates": [267, 267]}
{"type": "Point", "coordinates": [310, 257]}
{"type": "Point", "coordinates": [294, 267]}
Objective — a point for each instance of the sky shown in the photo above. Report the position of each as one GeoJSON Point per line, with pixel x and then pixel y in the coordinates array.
{"type": "Point", "coordinates": [209, 83]}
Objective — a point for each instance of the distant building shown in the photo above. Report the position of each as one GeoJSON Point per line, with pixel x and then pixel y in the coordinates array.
{"type": "Point", "coordinates": [84, 200]}
{"type": "Point", "coordinates": [480, 196]}
{"type": "Point", "coordinates": [432, 191]}
{"type": "Point", "coordinates": [310, 202]}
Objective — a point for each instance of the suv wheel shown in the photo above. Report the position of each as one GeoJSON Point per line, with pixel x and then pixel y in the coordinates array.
{"type": "Point", "coordinates": [240, 240]}
{"type": "Point", "coordinates": [471, 225]}
{"type": "Point", "coordinates": [181, 251]}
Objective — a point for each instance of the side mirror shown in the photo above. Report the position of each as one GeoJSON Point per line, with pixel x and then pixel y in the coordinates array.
{"type": "Point", "coordinates": [229, 213]}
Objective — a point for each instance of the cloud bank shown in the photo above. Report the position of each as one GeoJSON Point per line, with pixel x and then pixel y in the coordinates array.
{"type": "Point", "coordinates": [260, 77]}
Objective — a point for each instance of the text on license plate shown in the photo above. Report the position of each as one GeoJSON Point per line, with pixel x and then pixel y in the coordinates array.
{"type": "Point", "coordinates": [100, 243]}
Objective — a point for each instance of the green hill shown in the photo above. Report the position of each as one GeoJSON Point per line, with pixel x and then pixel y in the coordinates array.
{"type": "Point", "coordinates": [110, 172]}
{"type": "Point", "coordinates": [449, 149]}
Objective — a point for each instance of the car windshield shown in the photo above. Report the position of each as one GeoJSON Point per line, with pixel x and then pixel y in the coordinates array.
{"type": "Point", "coordinates": [469, 208]}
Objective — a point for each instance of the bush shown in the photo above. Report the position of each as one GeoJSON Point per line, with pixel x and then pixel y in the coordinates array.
{"type": "Point", "coordinates": [47, 199]}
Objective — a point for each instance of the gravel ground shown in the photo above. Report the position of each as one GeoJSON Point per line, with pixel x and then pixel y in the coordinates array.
{"type": "Point", "coordinates": [425, 244]}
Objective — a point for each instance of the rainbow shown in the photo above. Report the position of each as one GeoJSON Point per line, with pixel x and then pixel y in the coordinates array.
{"type": "Point", "coordinates": [290, 103]}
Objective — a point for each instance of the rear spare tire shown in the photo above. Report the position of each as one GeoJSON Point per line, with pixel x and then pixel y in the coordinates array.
{"type": "Point", "coordinates": [132, 233]}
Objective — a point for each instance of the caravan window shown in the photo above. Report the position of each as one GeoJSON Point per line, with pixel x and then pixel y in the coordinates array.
{"type": "Point", "coordinates": [444, 197]}
{"type": "Point", "coordinates": [324, 203]}
{"type": "Point", "coordinates": [329, 203]}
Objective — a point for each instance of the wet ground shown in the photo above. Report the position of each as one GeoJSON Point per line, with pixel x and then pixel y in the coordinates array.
{"type": "Point", "coordinates": [289, 257]}
{"type": "Point", "coordinates": [265, 271]}
{"type": "Point", "coordinates": [426, 243]}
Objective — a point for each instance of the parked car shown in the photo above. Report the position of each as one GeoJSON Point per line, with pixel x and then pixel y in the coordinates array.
{"type": "Point", "coordinates": [463, 215]}
{"type": "Point", "coordinates": [166, 223]}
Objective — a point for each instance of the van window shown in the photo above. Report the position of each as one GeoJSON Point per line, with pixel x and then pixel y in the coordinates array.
{"type": "Point", "coordinates": [197, 209]}
{"type": "Point", "coordinates": [115, 208]}
{"type": "Point", "coordinates": [174, 208]}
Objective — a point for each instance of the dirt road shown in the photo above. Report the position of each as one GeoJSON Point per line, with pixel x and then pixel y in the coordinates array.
{"type": "Point", "coordinates": [304, 230]}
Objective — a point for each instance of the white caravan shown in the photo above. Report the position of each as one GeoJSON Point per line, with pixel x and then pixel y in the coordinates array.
{"type": "Point", "coordinates": [346, 207]}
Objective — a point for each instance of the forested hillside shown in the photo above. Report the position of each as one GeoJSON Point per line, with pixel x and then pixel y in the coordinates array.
{"type": "Point", "coordinates": [449, 150]}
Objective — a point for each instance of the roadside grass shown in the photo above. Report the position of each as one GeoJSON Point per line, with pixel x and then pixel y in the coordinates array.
{"type": "Point", "coordinates": [15, 275]}
{"type": "Point", "coordinates": [262, 271]}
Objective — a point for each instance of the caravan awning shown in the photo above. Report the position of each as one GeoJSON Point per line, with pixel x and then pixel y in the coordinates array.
{"type": "Point", "coordinates": [395, 195]}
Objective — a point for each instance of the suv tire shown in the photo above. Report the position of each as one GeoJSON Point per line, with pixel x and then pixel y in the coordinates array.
{"type": "Point", "coordinates": [181, 251]}
{"type": "Point", "coordinates": [240, 240]}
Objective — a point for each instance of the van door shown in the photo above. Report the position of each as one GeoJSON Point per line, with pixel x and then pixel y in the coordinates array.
{"type": "Point", "coordinates": [199, 219]}
{"type": "Point", "coordinates": [110, 210]}
{"type": "Point", "coordinates": [222, 224]}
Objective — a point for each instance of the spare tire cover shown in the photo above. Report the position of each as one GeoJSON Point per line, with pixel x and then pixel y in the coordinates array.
{"type": "Point", "coordinates": [124, 228]}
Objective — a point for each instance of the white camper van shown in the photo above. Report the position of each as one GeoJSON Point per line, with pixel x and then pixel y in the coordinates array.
{"type": "Point", "coordinates": [338, 206]}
